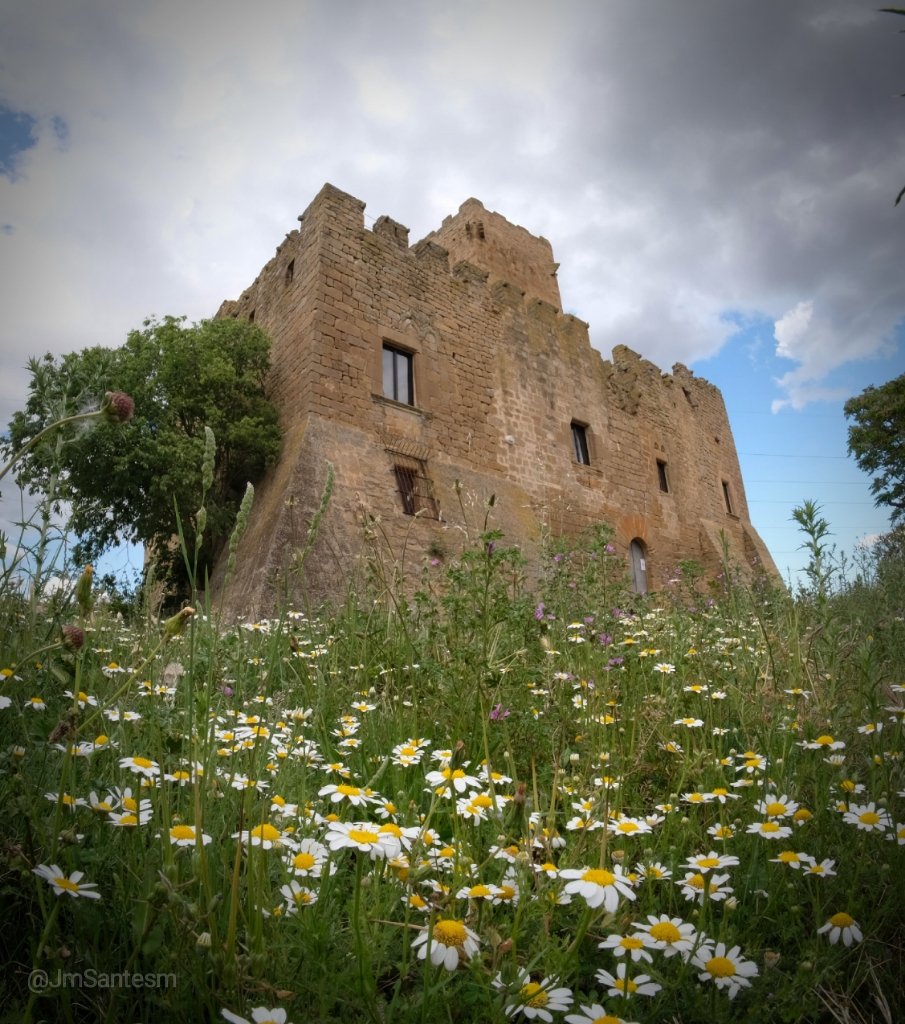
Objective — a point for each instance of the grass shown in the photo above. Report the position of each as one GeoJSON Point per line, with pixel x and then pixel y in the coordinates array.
{"type": "Point", "coordinates": [286, 816]}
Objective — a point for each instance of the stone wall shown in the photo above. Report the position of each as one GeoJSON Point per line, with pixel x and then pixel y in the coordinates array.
{"type": "Point", "coordinates": [500, 377]}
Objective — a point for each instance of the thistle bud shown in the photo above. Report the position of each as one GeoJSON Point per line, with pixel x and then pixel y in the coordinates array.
{"type": "Point", "coordinates": [117, 407]}
{"type": "Point", "coordinates": [83, 594]}
{"type": "Point", "coordinates": [174, 625]}
{"type": "Point", "coordinates": [73, 637]}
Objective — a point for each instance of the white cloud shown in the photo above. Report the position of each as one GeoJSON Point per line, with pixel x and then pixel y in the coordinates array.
{"type": "Point", "coordinates": [791, 329]}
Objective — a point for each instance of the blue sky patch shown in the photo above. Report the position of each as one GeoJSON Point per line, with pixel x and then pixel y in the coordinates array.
{"type": "Point", "coordinates": [17, 133]}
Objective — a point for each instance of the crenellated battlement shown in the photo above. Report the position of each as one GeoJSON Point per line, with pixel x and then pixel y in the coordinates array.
{"type": "Point", "coordinates": [456, 349]}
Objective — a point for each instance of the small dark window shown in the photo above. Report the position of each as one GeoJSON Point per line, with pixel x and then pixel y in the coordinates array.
{"type": "Point", "coordinates": [398, 382]}
{"type": "Point", "coordinates": [251, 317]}
{"type": "Point", "coordinates": [661, 476]}
{"type": "Point", "coordinates": [580, 443]}
{"type": "Point", "coordinates": [727, 497]}
{"type": "Point", "coordinates": [414, 487]}
{"type": "Point", "coordinates": [290, 271]}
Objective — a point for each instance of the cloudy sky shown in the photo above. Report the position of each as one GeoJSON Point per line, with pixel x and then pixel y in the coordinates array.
{"type": "Point", "coordinates": [717, 180]}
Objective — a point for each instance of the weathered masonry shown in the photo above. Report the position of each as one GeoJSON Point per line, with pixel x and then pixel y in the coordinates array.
{"type": "Point", "coordinates": [409, 368]}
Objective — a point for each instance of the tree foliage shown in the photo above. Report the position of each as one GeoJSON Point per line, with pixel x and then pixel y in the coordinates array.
{"type": "Point", "coordinates": [876, 439]}
{"type": "Point", "coordinates": [129, 483]}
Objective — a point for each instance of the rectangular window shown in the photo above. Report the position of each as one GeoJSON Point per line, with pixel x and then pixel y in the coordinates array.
{"type": "Point", "coordinates": [398, 379]}
{"type": "Point", "coordinates": [726, 497]}
{"type": "Point", "coordinates": [661, 476]}
{"type": "Point", "coordinates": [580, 443]}
{"type": "Point", "coordinates": [414, 487]}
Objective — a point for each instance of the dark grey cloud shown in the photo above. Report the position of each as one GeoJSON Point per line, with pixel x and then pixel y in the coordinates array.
{"type": "Point", "coordinates": [685, 160]}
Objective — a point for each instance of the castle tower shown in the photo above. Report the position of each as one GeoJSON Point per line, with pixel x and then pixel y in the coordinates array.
{"type": "Point", "coordinates": [433, 375]}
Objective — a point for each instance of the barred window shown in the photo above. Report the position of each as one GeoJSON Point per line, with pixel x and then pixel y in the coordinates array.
{"type": "Point", "coordinates": [414, 487]}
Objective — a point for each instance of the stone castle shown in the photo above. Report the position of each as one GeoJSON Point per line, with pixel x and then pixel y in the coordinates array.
{"type": "Point", "coordinates": [432, 376]}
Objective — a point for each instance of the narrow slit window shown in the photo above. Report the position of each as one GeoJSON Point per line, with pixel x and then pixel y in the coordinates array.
{"type": "Point", "coordinates": [290, 271]}
{"type": "Point", "coordinates": [661, 476]}
{"type": "Point", "coordinates": [398, 378]}
{"type": "Point", "coordinates": [580, 444]}
{"type": "Point", "coordinates": [727, 497]}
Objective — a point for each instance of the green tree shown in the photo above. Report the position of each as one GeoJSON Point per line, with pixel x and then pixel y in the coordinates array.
{"type": "Point", "coordinates": [127, 483]}
{"type": "Point", "coordinates": [876, 439]}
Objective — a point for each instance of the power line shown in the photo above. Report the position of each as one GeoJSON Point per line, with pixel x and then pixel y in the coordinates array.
{"type": "Point", "coordinates": [785, 501]}
{"type": "Point", "coordinates": [819, 483]}
{"type": "Point", "coordinates": [783, 455]}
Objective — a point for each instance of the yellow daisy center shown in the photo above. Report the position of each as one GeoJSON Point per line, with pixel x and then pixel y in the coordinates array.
{"type": "Point", "coordinates": [128, 819]}
{"type": "Point", "coordinates": [347, 790]}
{"type": "Point", "coordinates": [130, 803]}
{"type": "Point", "coordinates": [720, 967]}
{"type": "Point", "coordinates": [776, 808]}
{"type": "Point", "coordinates": [696, 881]}
{"type": "Point", "coordinates": [869, 818]}
{"type": "Point", "coordinates": [359, 835]}
{"type": "Point", "coordinates": [266, 833]}
{"type": "Point", "coordinates": [825, 740]}
{"type": "Point", "coordinates": [482, 800]}
{"type": "Point", "coordinates": [627, 827]}
{"type": "Point", "coordinates": [303, 861]}
{"type": "Point", "coordinates": [626, 984]}
{"type": "Point", "coordinates": [665, 931]}
{"type": "Point", "coordinates": [450, 933]}
{"type": "Point", "coordinates": [479, 891]}
{"type": "Point", "coordinates": [788, 857]}
{"type": "Point", "coordinates": [599, 876]}
{"type": "Point", "coordinates": [182, 832]}
{"type": "Point", "coordinates": [842, 920]}
{"type": "Point", "coordinates": [631, 942]}
{"type": "Point", "coordinates": [769, 826]}
{"type": "Point", "coordinates": [64, 883]}
{"type": "Point", "coordinates": [606, 1019]}
{"type": "Point", "coordinates": [533, 994]}
{"type": "Point", "coordinates": [708, 862]}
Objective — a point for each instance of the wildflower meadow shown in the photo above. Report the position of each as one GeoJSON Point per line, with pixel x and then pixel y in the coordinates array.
{"type": "Point", "coordinates": [491, 793]}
